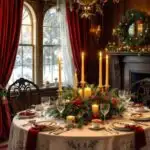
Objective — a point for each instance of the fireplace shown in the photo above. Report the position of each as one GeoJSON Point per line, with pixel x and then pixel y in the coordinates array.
{"type": "Point", "coordinates": [128, 69]}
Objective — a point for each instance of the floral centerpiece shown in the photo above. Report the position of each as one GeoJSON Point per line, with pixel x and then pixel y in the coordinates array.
{"type": "Point", "coordinates": [81, 108]}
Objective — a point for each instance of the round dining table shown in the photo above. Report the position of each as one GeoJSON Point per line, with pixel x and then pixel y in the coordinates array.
{"type": "Point", "coordinates": [76, 139]}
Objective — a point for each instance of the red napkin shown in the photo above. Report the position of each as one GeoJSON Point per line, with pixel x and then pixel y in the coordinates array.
{"type": "Point", "coordinates": [140, 139]}
{"type": "Point", "coordinates": [32, 136]}
{"type": "Point", "coordinates": [26, 113]}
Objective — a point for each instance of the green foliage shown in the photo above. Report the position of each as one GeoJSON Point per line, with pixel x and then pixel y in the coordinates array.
{"type": "Point", "coordinates": [82, 109]}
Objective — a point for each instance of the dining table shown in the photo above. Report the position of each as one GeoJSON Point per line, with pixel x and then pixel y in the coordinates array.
{"type": "Point", "coordinates": [85, 138]}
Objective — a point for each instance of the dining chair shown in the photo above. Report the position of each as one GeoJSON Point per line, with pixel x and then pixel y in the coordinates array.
{"type": "Point", "coordinates": [22, 94]}
{"type": "Point", "coordinates": [141, 89]}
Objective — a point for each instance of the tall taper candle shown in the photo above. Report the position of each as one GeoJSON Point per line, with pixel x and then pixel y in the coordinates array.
{"type": "Point", "coordinates": [59, 72]}
{"type": "Point", "coordinates": [100, 70]}
{"type": "Point", "coordinates": [75, 81]}
{"type": "Point", "coordinates": [107, 72]}
{"type": "Point", "coordinates": [82, 68]}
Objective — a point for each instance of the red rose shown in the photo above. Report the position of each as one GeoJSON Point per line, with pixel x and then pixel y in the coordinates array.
{"type": "Point", "coordinates": [114, 101]}
{"type": "Point", "coordinates": [78, 102]}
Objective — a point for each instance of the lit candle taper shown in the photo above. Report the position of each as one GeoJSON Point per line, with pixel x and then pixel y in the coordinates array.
{"type": "Point", "coordinates": [100, 70]}
{"type": "Point", "coordinates": [107, 72]}
{"type": "Point", "coordinates": [59, 73]}
{"type": "Point", "coordinates": [75, 81]}
{"type": "Point", "coordinates": [82, 68]}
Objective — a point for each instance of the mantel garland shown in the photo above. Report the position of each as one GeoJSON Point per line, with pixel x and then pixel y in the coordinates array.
{"type": "Point", "coordinates": [81, 108]}
{"type": "Point", "coordinates": [124, 48]}
{"type": "Point", "coordinates": [131, 17]}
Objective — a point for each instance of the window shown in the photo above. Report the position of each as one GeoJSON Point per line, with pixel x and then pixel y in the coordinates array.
{"type": "Point", "coordinates": [24, 58]}
{"type": "Point", "coordinates": [51, 45]}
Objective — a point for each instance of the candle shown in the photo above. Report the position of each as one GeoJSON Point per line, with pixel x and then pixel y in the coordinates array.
{"type": "Point", "coordinates": [100, 70]}
{"type": "Point", "coordinates": [95, 109]}
{"type": "Point", "coordinates": [87, 92]}
{"type": "Point", "coordinates": [70, 119]}
{"type": "Point", "coordinates": [107, 72]}
{"type": "Point", "coordinates": [75, 81]}
{"type": "Point", "coordinates": [59, 74]}
{"type": "Point", "coordinates": [82, 68]}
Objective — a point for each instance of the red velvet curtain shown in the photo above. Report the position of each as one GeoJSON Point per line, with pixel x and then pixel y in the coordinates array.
{"type": "Point", "coordinates": [74, 33]}
{"type": "Point", "coordinates": [10, 24]}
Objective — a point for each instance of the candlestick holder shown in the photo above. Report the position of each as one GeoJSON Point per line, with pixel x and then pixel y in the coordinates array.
{"type": "Point", "coordinates": [101, 88]}
{"type": "Point", "coordinates": [82, 87]}
{"type": "Point", "coordinates": [60, 93]}
{"type": "Point", "coordinates": [107, 88]}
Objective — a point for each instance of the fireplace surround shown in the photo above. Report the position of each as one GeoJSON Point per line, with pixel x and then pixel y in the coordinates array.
{"type": "Point", "coordinates": [128, 68]}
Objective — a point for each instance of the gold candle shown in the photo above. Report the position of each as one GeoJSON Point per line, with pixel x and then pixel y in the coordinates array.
{"type": "Point", "coordinates": [95, 108]}
{"type": "Point", "coordinates": [70, 119]}
{"type": "Point", "coordinates": [107, 72]}
{"type": "Point", "coordinates": [59, 74]}
{"type": "Point", "coordinates": [100, 70]}
{"type": "Point", "coordinates": [87, 92]}
{"type": "Point", "coordinates": [82, 68]}
{"type": "Point", "coordinates": [75, 81]}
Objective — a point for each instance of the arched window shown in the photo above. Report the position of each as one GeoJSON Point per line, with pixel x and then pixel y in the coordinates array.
{"type": "Point", "coordinates": [51, 44]}
{"type": "Point", "coordinates": [24, 58]}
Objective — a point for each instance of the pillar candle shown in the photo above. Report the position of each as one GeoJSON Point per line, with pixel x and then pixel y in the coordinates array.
{"type": "Point", "coordinates": [70, 119]}
{"type": "Point", "coordinates": [95, 109]}
{"type": "Point", "coordinates": [107, 72]}
{"type": "Point", "coordinates": [87, 92]}
{"type": "Point", "coordinates": [100, 70]}
{"type": "Point", "coordinates": [59, 74]}
{"type": "Point", "coordinates": [82, 68]}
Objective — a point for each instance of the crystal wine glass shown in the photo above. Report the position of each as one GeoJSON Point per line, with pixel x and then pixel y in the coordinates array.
{"type": "Point", "coordinates": [60, 104]}
{"type": "Point", "coordinates": [104, 108]}
{"type": "Point", "coordinates": [121, 94]}
{"type": "Point", "coordinates": [45, 102]}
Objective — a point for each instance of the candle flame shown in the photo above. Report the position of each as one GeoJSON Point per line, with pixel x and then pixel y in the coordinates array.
{"type": "Point", "coordinates": [100, 54]}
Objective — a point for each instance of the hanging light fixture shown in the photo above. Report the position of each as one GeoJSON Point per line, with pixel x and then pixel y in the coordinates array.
{"type": "Point", "coordinates": [88, 8]}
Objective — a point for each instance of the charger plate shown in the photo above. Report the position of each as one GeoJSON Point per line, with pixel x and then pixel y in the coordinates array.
{"type": "Point", "coordinates": [122, 125]}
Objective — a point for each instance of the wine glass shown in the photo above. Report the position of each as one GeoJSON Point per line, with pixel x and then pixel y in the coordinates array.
{"type": "Point", "coordinates": [121, 94]}
{"type": "Point", "coordinates": [45, 101]}
{"type": "Point", "coordinates": [127, 96]}
{"type": "Point", "coordinates": [60, 104]}
{"type": "Point", "coordinates": [104, 108]}
{"type": "Point", "coordinates": [120, 105]}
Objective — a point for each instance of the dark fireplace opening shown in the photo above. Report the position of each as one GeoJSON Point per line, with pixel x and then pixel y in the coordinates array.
{"type": "Point", "coordinates": [140, 85]}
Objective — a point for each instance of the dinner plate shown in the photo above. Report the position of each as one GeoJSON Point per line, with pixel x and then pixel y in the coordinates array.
{"type": "Point", "coordinates": [26, 114]}
{"type": "Point", "coordinates": [141, 117]}
{"type": "Point", "coordinates": [142, 109]}
{"type": "Point", "coordinates": [96, 128]}
{"type": "Point", "coordinates": [122, 125]}
{"type": "Point", "coordinates": [48, 125]}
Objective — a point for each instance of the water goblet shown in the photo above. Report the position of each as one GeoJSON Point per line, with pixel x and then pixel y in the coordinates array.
{"type": "Point", "coordinates": [45, 102]}
{"type": "Point", "coordinates": [104, 108]}
{"type": "Point", "coordinates": [60, 104]}
{"type": "Point", "coordinates": [121, 94]}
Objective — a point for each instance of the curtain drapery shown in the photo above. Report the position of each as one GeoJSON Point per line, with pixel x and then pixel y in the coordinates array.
{"type": "Point", "coordinates": [10, 24]}
{"type": "Point", "coordinates": [74, 35]}
{"type": "Point", "coordinates": [68, 66]}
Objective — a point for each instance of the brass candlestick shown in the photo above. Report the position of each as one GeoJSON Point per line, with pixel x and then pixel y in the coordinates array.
{"type": "Point", "coordinates": [82, 86]}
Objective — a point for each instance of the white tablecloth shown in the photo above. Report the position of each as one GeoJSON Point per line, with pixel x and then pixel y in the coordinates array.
{"type": "Point", "coordinates": [76, 139]}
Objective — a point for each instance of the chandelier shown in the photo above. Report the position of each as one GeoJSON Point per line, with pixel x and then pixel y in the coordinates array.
{"type": "Point", "coordinates": [89, 8]}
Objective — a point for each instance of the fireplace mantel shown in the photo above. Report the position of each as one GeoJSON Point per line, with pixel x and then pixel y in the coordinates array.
{"type": "Point", "coordinates": [125, 63]}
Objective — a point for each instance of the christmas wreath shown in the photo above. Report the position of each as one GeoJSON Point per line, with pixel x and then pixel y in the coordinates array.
{"type": "Point", "coordinates": [134, 17]}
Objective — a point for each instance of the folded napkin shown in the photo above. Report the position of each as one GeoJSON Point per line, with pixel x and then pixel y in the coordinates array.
{"type": "Point", "coordinates": [140, 139]}
{"type": "Point", "coordinates": [26, 113]}
{"type": "Point", "coordinates": [32, 136]}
